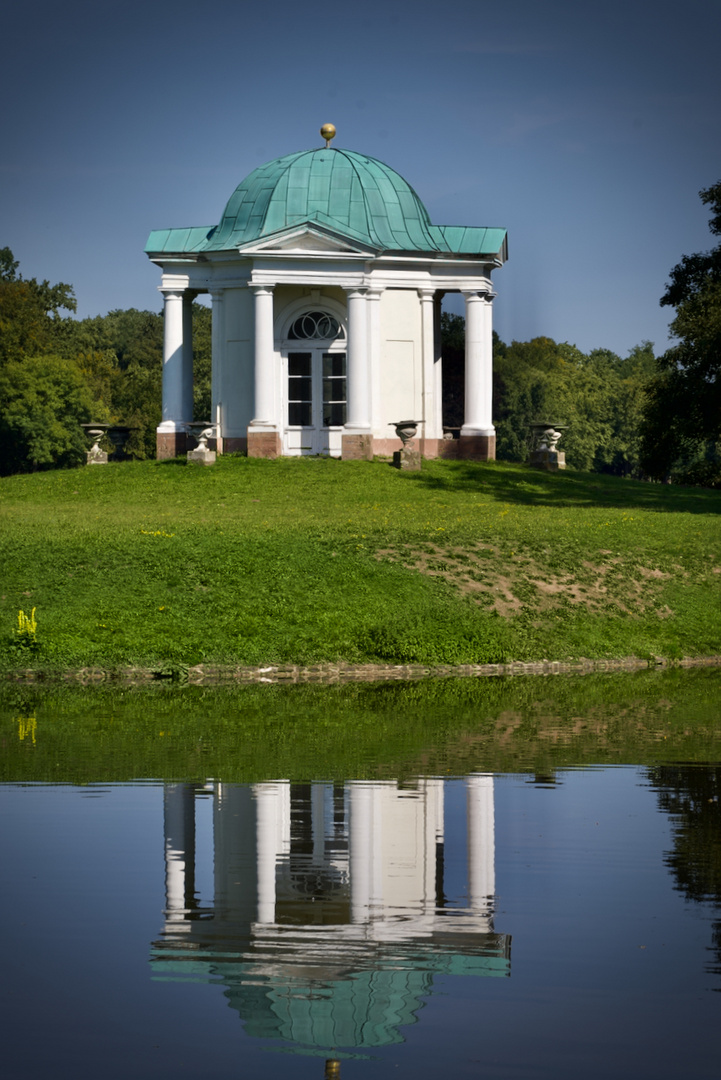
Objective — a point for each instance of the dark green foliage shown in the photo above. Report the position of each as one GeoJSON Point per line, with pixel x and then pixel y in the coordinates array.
{"type": "Point", "coordinates": [453, 342]}
{"type": "Point", "coordinates": [29, 311]}
{"type": "Point", "coordinates": [599, 396]}
{"type": "Point", "coordinates": [681, 433]}
{"type": "Point", "coordinates": [44, 400]}
{"type": "Point", "coordinates": [120, 357]}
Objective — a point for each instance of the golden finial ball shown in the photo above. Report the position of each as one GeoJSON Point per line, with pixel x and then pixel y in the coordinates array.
{"type": "Point", "coordinates": [328, 132]}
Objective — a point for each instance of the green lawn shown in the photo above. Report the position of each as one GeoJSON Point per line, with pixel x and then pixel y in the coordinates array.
{"type": "Point", "coordinates": [253, 562]}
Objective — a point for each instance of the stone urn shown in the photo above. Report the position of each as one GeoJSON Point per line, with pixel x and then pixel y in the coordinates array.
{"type": "Point", "coordinates": [202, 455]}
{"type": "Point", "coordinates": [545, 454]}
{"type": "Point", "coordinates": [96, 456]}
{"type": "Point", "coordinates": [407, 457]}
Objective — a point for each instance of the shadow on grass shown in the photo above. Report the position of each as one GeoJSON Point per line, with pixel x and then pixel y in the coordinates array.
{"type": "Point", "coordinates": [531, 487]}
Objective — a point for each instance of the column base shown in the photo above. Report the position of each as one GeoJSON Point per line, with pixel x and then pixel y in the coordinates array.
{"type": "Point", "coordinates": [265, 444]}
{"type": "Point", "coordinates": [477, 447]}
{"type": "Point", "coordinates": [170, 444]}
{"type": "Point", "coordinates": [357, 447]}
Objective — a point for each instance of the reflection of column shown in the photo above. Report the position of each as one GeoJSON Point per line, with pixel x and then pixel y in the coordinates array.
{"type": "Point", "coordinates": [481, 844]}
{"type": "Point", "coordinates": [360, 844]}
{"type": "Point", "coordinates": [234, 855]}
{"type": "Point", "coordinates": [271, 840]}
{"type": "Point", "coordinates": [433, 798]}
{"type": "Point", "coordinates": [318, 794]}
{"type": "Point", "coordinates": [179, 827]}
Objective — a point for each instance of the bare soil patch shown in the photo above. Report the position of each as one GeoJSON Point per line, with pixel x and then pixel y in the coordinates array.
{"type": "Point", "coordinates": [511, 584]}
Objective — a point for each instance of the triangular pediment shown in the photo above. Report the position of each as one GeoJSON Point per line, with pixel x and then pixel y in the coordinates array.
{"type": "Point", "coordinates": [304, 240]}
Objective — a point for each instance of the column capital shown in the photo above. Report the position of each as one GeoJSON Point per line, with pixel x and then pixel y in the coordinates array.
{"type": "Point", "coordinates": [357, 292]}
{"type": "Point", "coordinates": [479, 294]}
{"type": "Point", "coordinates": [426, 293]}
{"type": "Point", "coordinates": [261, 288]}
{"type": "Point", "coordinates": [171, 292]}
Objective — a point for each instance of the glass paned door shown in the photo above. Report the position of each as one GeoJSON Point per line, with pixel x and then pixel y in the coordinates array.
{"type": "Point", "coordinates": [334, 389]}
{"type": "Point", "coordinates": [316, 401]}
{"type": "Point", "coordinates": [300, 389]}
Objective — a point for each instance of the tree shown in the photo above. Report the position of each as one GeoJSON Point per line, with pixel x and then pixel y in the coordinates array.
{"type": "Point", "coordinates": [682, 423]}
{"type": "Point", "coordinates": [43, 402]}
{"type": "Point", "coordinates": [29, 310]}
{"type": "Point", "coordinates": [599, 397]}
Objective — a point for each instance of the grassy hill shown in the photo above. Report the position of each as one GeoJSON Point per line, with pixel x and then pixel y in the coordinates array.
{"type": "Point", "coordinates": [160, 564]}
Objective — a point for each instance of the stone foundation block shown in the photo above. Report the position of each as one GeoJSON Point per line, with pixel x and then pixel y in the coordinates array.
{"type": "Point", "coordinates": [233, 446]}
{"type": "Point", "coordinates": [357, 447]}
{"type": "Point", "coordinates": [201, 456]}
{"type": "Point", "coordinates": [477, 447]}
{"type": "Point", "coordinates": [407, 459]}
{"type": "Point", "coordinates": [550, 460]}
{"type": "Point", "coordinates": [170, 444]}
{"type": "Point", "coordinates": [264, 444]}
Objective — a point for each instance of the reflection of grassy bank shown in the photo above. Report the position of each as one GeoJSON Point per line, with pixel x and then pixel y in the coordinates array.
{"type": "Point", "coordinates": [82, 735]}
{"type": "Point", "coordinates": [259, 562]}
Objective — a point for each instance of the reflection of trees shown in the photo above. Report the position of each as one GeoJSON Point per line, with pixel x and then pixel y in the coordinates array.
{"type": "Point", "coordinates": [690, 795]}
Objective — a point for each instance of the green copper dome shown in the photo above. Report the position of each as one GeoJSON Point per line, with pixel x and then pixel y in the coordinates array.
{"type": "Point", "coordinates": [347, 192]}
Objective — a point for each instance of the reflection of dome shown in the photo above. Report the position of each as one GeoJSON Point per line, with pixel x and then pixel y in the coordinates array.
{"type": "Point", "coordinates": [345, 191]}
{"type": "Point", "coordinates": [331, 911]}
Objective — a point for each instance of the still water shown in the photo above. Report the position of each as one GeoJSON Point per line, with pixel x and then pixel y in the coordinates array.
{"type": "Point", "coordinates": [502, 924]}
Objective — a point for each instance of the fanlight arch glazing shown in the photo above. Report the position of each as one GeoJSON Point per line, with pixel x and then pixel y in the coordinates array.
{"type": "Point", "coordinates": [316, 326]}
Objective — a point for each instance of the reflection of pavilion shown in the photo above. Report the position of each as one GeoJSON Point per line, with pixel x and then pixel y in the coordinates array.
{"type": "Point", "coordinates": [330, 913]}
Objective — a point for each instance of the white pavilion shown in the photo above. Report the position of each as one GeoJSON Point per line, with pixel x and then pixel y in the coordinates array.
{"type": "Point", "coordinates": [326, 278]}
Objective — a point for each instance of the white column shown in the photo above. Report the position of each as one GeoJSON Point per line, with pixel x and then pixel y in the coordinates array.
{"type": "Point", "coordinates": [479, 364]}
{"type": "Point", "coordinates": [172, 359]}
{"type": "Point", "coordinates": [187, 391]}
{"type": "Point", "coordinates": [217, 351]}
{"type": "Point", "coordinates": [374, 355]}
{"type": "Point", "coordinates": [438, 363]}
{"type": "Point", "coordinates": [428, 352]}
{"type": "Point", "coordinates": [481, 843]}
{"type": "Point", "coordinates": [358, 385]}
{"type": "Point", "coordinates": [264, 408]}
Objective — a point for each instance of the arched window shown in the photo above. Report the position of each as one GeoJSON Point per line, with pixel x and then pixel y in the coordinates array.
{"type": "Point", "coordinates": [316, 326]}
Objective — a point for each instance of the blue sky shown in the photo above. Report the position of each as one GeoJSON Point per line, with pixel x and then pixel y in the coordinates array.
{"type": "Point", "coordinates": [585, 129]}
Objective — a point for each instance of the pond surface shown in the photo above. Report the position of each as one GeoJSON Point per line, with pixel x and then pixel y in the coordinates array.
{"type": "Point", "coordinates": [558, 921]}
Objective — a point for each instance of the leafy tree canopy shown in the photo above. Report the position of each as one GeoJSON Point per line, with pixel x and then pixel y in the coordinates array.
{"type": "Point", "coordinates": [43, 402]}
{"type": "Point", "coordinates": [682, 425]}
{"type": "Point", "coordinates": [29, 310]}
